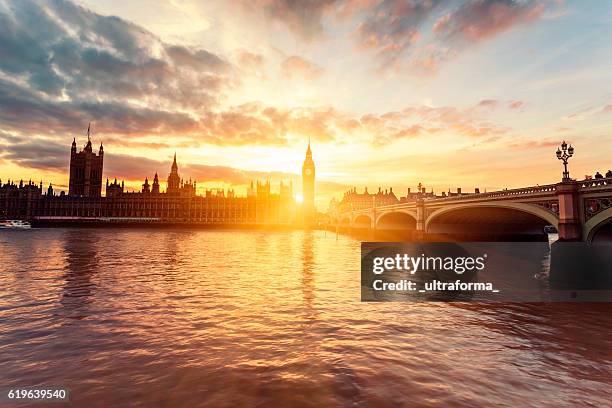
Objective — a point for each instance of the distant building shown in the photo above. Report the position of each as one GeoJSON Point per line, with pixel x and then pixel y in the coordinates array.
{"type": "Point", "coordinates": [308, 189]}
{"type": "Point", "coordinates": [420, 193]}
{"type": "Point", "coordinates": [114, 189]}
{"type": "Point", "coordinates": [174, 181]}
{"type": "Point", "coordinates": [155, 187]}
{"type": "Point", "coordinates": [146, 187]}
{"type": "Point", "coordinates": [352, 200]}
{"type": "Point", "coordinates": [17, 200]}
{"type": "Point", "coordinates": [178, 204]}
{"type": "Point", "coordinates": [85, 170]}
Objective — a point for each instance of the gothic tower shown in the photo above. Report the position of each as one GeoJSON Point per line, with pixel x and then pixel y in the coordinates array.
{"type": "Point", "coordinates": [146, 187]}
{"type": "Point", "coordinates": [308, 188]}
{"type": "Point", "coordinates": [174, 181]}
{"type": "Point", "coordinates": [86, 170]}
{"type": "Point", "coordinates": [155, 187]}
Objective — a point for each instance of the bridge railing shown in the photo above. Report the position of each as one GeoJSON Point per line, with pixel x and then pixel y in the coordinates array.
{"type": "Point", "coordinates": [517, 192]}
{"type": "Point", "coordinates": [595, 183]}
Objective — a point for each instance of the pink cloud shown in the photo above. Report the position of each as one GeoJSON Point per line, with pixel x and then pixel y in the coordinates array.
{"type": "Point", "coordinates": [300, 68]}
{"type": "Point", "coordinates": [515, 104]}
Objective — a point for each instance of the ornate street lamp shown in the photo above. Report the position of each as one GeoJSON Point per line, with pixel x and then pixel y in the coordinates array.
{"type": "Point", "coordinates": [563, 154]}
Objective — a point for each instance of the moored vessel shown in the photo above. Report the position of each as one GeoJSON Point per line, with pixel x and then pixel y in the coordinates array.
{"type": "Point", "coordinates": [14, 224]}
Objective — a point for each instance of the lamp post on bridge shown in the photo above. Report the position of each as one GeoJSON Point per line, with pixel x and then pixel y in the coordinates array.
{"type": "Point", "coordinates": [564, 153]}
{"type": "Point", "coordinates": [570, 222]}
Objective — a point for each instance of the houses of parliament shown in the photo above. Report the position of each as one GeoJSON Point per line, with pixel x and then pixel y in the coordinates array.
{"type": "Point", "coordinates": [179, 203]}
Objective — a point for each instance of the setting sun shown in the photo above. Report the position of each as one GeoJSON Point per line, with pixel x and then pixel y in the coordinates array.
{"type": "Point", "coordinates": [309, 203]}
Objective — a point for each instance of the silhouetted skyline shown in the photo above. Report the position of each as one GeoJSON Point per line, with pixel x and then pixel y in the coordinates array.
{"type": "Point", "coordinates": [439, 92]}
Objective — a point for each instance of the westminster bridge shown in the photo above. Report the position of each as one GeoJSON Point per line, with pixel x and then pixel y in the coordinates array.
{"type": "Point", "coordinates": [579, 210]}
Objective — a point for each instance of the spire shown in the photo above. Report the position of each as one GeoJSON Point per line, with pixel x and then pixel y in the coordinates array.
{"type": "Point", "coordinates": [88, 145]}
{"type": "Point", "coordinates": [174, 165]}
{"type": "Point", "coordinates": [308, 151]}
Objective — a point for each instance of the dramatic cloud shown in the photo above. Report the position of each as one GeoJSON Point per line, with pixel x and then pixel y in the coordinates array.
{"type": "Point", "coordinates": [26, 110]}
{"type": "Point", "coordinates": [472, 22]}
{"type": "Point", "coordinates": [61, 65]}
{"type": "Point", "coordinates": [417, 121]}
{"type": "Point", "coordinates": [34, 153]}
{"type": "Point", "coordinates": [303, 18]}
{"type": "Point", "coordinates": [259, 124]}
{"type": "Point", "coordinates": [300, 68]}
{"type": "Point", "coordinates": [255, 123]}
{"type": "Point", "coordinates": [399, 31]}
{"type": "Point", "coordinates": [481, 19]}
{"type": "Point", "coordinates": [391, 26]}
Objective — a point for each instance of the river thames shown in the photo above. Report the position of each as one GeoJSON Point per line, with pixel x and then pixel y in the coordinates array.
{"type": "Point", "coordinates": [242, 318]}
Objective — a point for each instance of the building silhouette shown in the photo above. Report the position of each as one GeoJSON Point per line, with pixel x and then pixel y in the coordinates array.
{"type": "Point", "coordinates": [85, 203]}
{"type": "Point", "coordinates": [174, 181]}
{"type": "Point", "coordinates": [86, 170]}
{"type": "Point", "coordinates": [308, 188]}
{"type": "Point", "coordinates": [155, 187]}
{"type": "Point", "coordinates": [353, 201]}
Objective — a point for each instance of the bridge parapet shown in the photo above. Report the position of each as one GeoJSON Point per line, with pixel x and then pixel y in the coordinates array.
{"type": "Point", "coordinates": [597, 184]}
{"type": "Point", "coordinates": [577, 208]}
{"type": "Point", "coordinates": [548, 189]}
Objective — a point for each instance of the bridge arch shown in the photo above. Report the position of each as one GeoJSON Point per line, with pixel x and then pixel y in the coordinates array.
{"type": "Point", "coordinates": [597, 223]}
{"type": "Point", "coordinates": [396, 220]}
{"type": "Point", "coordinates": [512, 217]}
{"type": "Point", "coordinates": [345, 221]}
{"type": "Point", "coordinates": [362, 221]}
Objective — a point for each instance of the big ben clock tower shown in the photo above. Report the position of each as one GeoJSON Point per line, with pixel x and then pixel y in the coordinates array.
{"type": "Point", "coordinates": [308, 188]}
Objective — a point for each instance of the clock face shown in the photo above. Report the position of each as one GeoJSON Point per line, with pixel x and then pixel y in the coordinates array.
{"type": "Point", "coordinates": [308, 172]}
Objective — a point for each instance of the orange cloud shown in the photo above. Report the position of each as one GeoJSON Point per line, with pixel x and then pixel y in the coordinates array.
{"type": "Point", "coordinates": [251, 62]}
{"type": "Point", "coordinates": [300, 68]}
{"type": "Point", "coordinates": [515, 104]}
{"type": "Point", "coordinates": [421, 120]}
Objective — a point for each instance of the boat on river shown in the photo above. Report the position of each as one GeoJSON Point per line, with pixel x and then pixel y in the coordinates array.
{"type": "Point", "coordinates": [14, 224]}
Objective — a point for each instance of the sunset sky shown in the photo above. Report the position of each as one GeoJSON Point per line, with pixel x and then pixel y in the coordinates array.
{"type": "Point", "coordinates": [474, 93]}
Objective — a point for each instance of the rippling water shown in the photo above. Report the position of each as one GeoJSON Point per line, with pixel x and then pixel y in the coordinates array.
{"type": "Point", "coordinates": [235, 318]}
